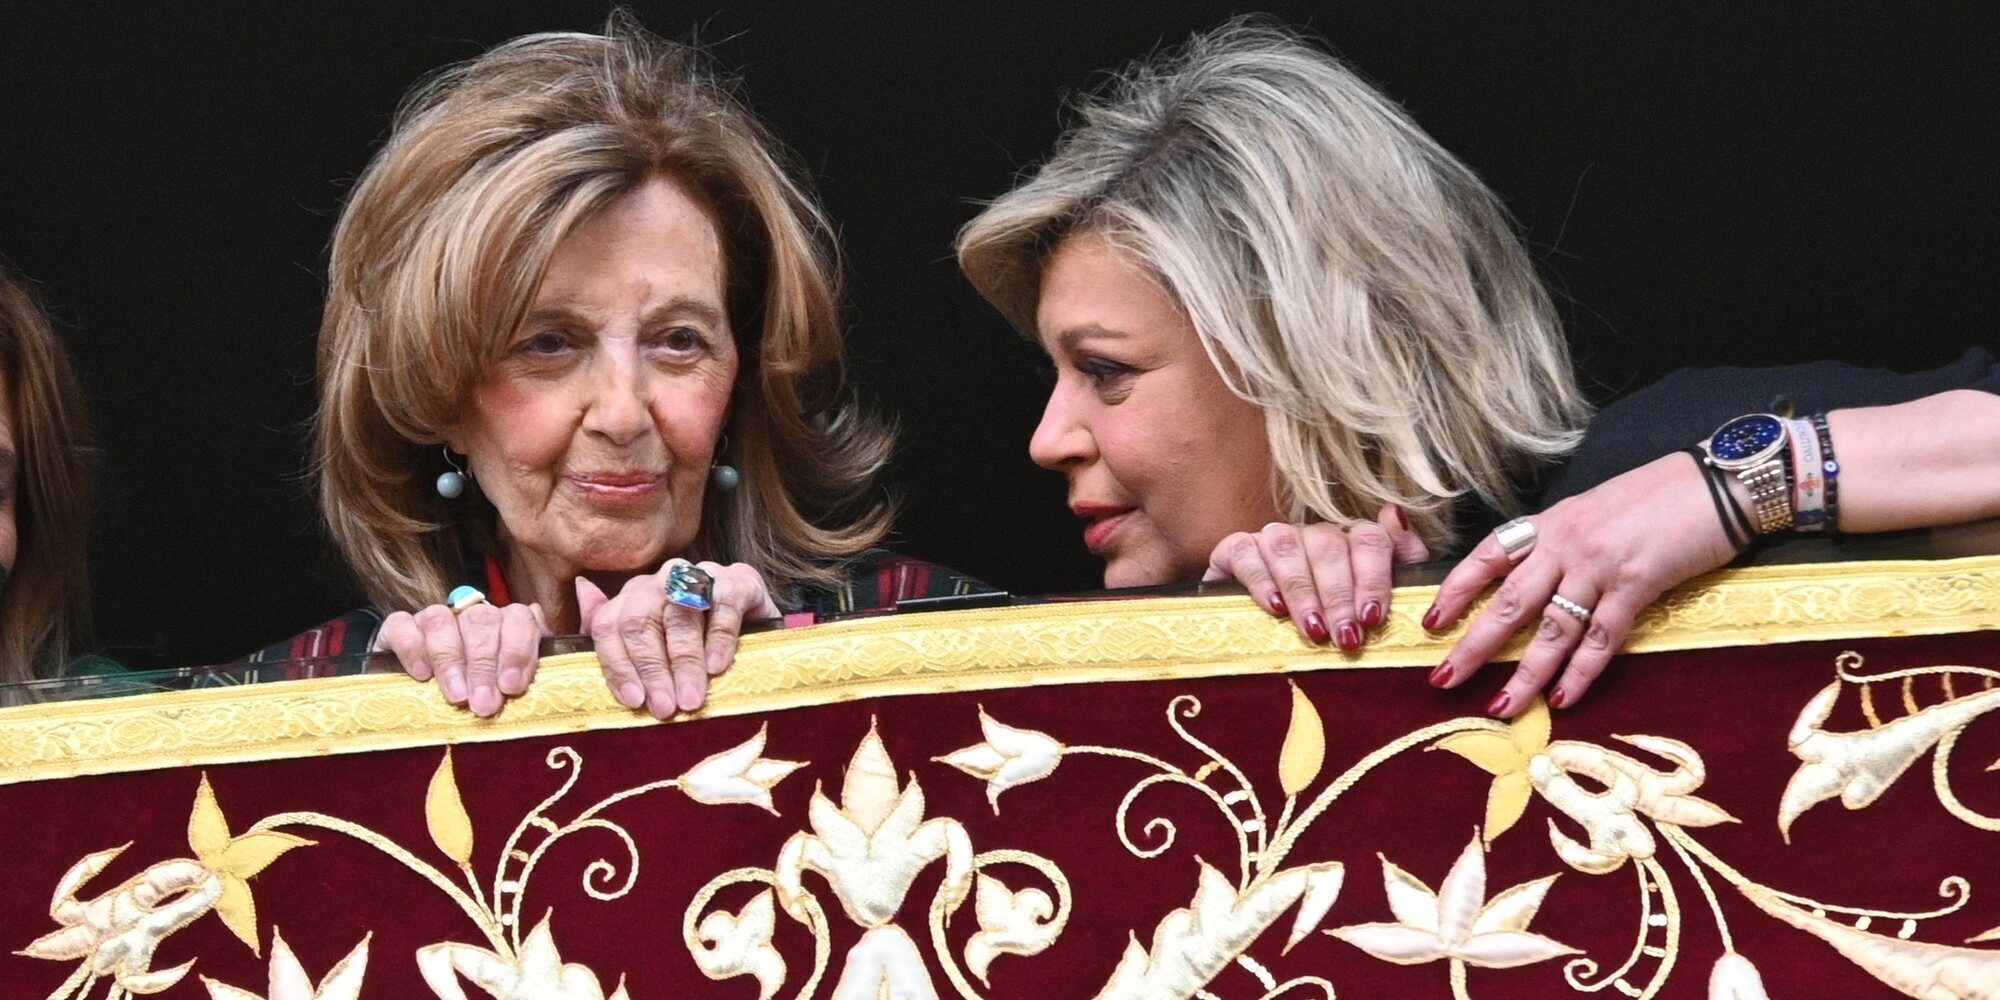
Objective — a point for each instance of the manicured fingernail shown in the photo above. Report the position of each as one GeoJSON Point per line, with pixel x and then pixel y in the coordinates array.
{"type": "Point", "coordinates": [513, 680]}
{"type": "Point", "coordinates": [1316, 627]}
{"type": "Point", "coordinates": [631, 695]}
{"type": "Point", "coordinates": [1431, 619]}
{"type": "Point", "coordinates": [1401, 518]}
{"type": "Point", "coordinates": [1278, 606]}
{"type": "Point", "coordinates": [1559, 698]}
{"type": "Point", "coordinates": [485, 701]}
{"type": "Point", "coordinates": [1371, 614]}
{"type": "Point", "coordinates": [1441, 675]}
{"type": "Point", "coordinates": [454, 688]}
{"type": "Point", "coordinates": [689, 696]}
{"type": "Point", "coordinates": [1500, 704]}
{"type": "Point", "coordinates": [1348, 635]}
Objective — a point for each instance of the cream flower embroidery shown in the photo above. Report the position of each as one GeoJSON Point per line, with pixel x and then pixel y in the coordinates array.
{"type": "Point", "coordinates": [1457, 922]}
{"type": "Point", "coordinates": [1860, 766]}
{"type": "Point", "coordinates": [884, 965]}
{"type": "Point", "coordinates": [1010, 757]}
{"type": "Point", "coordinates": [740, 944]}
{"type": "Point", "coordinates": [1734, 978]}
{"type": "Point", "coordinates": [538, 973]}
{"type": "Point", "coordinates": [741, 774]}
{"type": "Point", "coordinates": [1015, 923]}
{"type": "Point", "coordinates": [1192, 945]}
{"type": "Point", "coordinates": [117, 932]}
{"type": "Point", "coordinates": [289, 980]}
{"type": "Point", "coordinates": [872, 846]}
{"type": "Point", "coordinates": [1631, 789]}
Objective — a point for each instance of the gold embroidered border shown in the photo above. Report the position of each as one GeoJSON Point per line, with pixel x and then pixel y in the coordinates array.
{"type": "Point", "coordinates": [1150, 639]}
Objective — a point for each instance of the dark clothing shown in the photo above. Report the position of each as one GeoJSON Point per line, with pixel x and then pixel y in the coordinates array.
{"type": "Point", "coordinates": [874, 580]}
{"type": "Point", "coordinates": [1687, 405]}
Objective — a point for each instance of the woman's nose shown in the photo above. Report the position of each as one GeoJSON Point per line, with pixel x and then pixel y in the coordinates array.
{"type": "Point", "coordinates": [619, 404]}
{"type": "Point", "coordinates": [1062, 438]}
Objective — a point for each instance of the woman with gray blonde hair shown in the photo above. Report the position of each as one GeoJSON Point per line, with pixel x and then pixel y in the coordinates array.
{"type": "Point", "coordinates": [1273, 300]}
{"type": "Point", "coordinates": [581, 339]}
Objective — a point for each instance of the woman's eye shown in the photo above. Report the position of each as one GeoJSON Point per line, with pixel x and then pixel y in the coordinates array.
{"type": "Point", "coordinates": [1102, 370]}
{"type": "Point", "coordinates": [681, 340]}
{"type": "Point", "coordinates": [544, 344]}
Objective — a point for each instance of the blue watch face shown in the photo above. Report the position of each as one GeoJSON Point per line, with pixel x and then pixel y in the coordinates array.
{"type": "Point", "coordinates": [1744, 437]}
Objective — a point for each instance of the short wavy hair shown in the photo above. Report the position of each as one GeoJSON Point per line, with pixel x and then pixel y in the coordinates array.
{"type": "Point", "coordinates": [445, 239]}
{"type": "Point", "coordinates": [1343, 271]}
{"type": "Point", "coordinates": [45, 607]}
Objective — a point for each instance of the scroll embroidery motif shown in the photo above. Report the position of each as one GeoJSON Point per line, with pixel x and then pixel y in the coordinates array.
{"type": "Point", "coordinates": [1633, 808]}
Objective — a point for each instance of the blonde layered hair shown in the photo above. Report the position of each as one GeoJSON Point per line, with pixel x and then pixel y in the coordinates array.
{"type": "Point", "coordinates": [45, 606]}
{"type": "Point", "coordinates": [1343, 271]}
{"type": "Point", "coordinates": [446, 237]}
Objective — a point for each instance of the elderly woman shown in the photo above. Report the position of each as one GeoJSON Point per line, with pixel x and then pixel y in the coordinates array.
{"type": "Point", "coordinates": [1273, 300]}
{"type": "Point", "coordinates": [46, 463]}
{"type": "Point", "coordinates": [581, 329]}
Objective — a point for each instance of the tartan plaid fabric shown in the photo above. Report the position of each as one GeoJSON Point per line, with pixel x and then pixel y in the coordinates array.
{"type": "Point", "coordinates": [875, 580]}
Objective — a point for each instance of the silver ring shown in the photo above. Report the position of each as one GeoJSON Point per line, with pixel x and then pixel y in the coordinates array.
{"type": "Point", "coordinates": [1576, 610]}
{"type": "Point", "coordinates": [1516, 537]}
{"type": "Point", "coordinates": [689, 586]}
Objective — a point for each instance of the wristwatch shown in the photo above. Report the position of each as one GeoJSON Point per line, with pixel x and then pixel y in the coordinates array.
{"type": "Point", "coordinates": [1754, 446]}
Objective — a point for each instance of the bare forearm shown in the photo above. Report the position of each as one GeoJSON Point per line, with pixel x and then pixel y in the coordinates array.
{"type": "Point", "coordinates": [1924, 463]}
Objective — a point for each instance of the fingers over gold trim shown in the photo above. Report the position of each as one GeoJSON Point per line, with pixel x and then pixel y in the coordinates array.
{"type": "Point", "coordinates": [979, 649]}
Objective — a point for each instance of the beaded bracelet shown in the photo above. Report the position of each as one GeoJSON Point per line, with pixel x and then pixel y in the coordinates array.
{"type": "Point", "coordinates": [1830, 469]}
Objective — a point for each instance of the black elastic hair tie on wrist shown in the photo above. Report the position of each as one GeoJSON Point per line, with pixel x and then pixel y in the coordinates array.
{"type": "Point", "coordinates": [1735, 524]}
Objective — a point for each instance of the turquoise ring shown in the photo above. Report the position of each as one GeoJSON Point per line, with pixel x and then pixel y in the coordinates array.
{"type": "Point", "coordinates": [463, 597]}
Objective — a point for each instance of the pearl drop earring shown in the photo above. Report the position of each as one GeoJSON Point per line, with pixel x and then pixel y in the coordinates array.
{"type": "Point", "coordinates": [722, 475]}
{"type": "Point", "coordinates": [451, 483]}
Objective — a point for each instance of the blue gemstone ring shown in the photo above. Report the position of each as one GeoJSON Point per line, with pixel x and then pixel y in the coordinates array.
{"type": "Point", "coordinates": [463, 597]}
{"type": "Point", "coordinates": [689, 587]}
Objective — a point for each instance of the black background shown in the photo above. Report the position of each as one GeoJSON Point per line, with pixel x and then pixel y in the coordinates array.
{"type": "Point", "coordinates": [1705, 186]}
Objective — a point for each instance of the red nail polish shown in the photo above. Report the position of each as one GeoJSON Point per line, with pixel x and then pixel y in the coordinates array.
{"type": "Point", "coordinates": [1348, 635]}
{"type": "Point", "coordinates": [1371, 614]}
{"type": "Point", "coordinates": [1442, 675]}
{"type": "Point", "coordinates": [1431, 619]}
{"type": "Point", "coordinates": [1401, 518]}
{"type": "Point", "coordinates": [1500, 704]}
{"type": "Point", "coordinates": [1559, 698]}
{"type": "Point", "coordinates": [1278, 605]}
{"type": "Point", "coordinates": [1316, 628]}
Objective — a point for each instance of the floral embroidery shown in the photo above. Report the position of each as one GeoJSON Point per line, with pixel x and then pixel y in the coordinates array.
{"type": "Point", "coordinates": [869, 850]}
{"type": "Point", "coordinates": [739, 944]}
{"type": "Point", "coordinates": [289, 980]}
{"type": "Point", "coordinates": [1010, 757]}
{"type": "Point", "coordinates": [117, 933]}
{"type": "Point", "coordinates": [535, 972]}
{"type": "Point", "coordinates": [742, 775]}
{"type": "Point", "coordinates": [1505, 756]}
{"type": "Point", "coordinates": [1860, 766]}
{"type": "Point", "coordinates": [1191, 946]}
{"type": "Point", "coordinates": [1634, 809]}
{"type": "Point", "coordinates": [1457, 922]}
